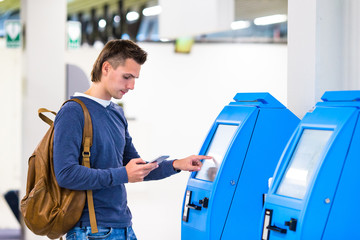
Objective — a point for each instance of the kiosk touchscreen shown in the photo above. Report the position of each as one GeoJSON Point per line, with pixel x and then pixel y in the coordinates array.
{"type": "Point", "coordinates": [315, 187]}
{"type": "Point", "coordinates": [224, 199]}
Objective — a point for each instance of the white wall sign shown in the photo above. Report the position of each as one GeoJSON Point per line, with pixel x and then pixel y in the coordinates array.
{"type": "Point", "coordinates": [73, 34]}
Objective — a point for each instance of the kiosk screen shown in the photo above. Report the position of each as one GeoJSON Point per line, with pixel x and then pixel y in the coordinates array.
{"type": "Point", "coordinates": [303, 163]}
{"type": "Point", "coordinates": [217, 149]}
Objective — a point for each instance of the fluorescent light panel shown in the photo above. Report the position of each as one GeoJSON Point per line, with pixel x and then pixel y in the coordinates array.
{"type": "Point", "coordinates": [164, 40]}
{"type": "Point", "coordinates": [152, 11]}
{"type": "Point", "coordinates": [240, 25]}
{"type": "Point", "coordinates": [278, 18]}
{"type": "Point", "coordinates": [132, 16]}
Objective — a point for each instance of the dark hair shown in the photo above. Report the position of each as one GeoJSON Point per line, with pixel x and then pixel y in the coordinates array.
{"type": "Point", "coordinates": [116, 52]}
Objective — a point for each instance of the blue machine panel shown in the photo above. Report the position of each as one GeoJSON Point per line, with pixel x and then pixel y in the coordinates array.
{"type": "Point", "coordinates": [246, 141]}
{"type": "Point", "coordinates": [313, 190]}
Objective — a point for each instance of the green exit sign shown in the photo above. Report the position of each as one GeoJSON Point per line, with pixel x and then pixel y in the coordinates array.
{"type": "Point", "coordinates": [13, 33]}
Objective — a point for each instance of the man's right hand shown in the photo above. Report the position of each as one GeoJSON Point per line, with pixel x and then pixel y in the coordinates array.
{"type": "Point", "coordinates": [137, 169]}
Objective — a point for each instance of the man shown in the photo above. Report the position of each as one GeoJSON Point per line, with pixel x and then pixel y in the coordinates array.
{"type": "Point", "coordinates": [114, 160]}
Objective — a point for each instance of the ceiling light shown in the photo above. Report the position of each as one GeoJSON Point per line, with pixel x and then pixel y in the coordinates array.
{"type": "Point", "coordinates": [152, 11]}
{"type": "Point", "coordinates": [102, 23]}
{"type": "Point", "coordinates": [278, 18]}
{"type": "Point", "coordinates": [117, 18]}
{"type": "Point", "coordinates": [132, 16]}
{"type": "Point", "coordinates": [164, 40]}
{"type": "Point", "coordinates": [240, 25]}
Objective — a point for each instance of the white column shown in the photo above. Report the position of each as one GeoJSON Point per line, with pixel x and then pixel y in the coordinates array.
{"type": "Point", "coordinates": [315, 51]}
{"type": "Point", "coordinates": [43, 70]}
{"type": "Point", "coordinates": [351, 44]}
{"type": "Point", "coordinates": [301, 55]}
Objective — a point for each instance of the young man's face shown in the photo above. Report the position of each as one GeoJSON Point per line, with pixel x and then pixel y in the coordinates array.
{"type": "Point", "coordinates": [117, 82]}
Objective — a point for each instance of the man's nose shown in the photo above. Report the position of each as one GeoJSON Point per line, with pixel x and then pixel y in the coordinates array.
{"type": "Point", "coordinates": [131, 84]}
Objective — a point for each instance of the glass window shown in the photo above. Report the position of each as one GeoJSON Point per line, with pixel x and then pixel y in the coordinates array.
{"type": "Point", "coordinates": [304, 162]}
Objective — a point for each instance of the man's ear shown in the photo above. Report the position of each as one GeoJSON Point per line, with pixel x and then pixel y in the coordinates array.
{"type": "Point", "coordinates": [105, 68]}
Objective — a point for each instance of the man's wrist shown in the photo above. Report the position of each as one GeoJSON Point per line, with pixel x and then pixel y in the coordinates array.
{"type": "Point", "coordinates": [175, 168]}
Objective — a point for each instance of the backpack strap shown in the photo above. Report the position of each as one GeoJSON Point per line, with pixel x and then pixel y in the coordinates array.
{"type": "Point", "coordinates": [41, 112]}
{"type": "Point", "coordinates": [87, 143]}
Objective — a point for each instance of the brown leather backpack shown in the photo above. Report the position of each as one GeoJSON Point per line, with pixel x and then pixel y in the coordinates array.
{"type": "Point", "coordinates": [48, 209]}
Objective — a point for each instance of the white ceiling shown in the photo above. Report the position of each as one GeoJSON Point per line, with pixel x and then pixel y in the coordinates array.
{"type": "Point", "coordinates": [250, 9]}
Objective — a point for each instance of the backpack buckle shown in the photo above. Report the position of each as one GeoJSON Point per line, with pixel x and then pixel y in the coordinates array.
{"type": "Point", "coordinates": [86, 154]}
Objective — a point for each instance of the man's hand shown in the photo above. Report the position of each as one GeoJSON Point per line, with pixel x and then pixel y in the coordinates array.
{"type": "Point", "coordinates": [191, 163]}
{"type": "Point", "coordinates": [137, 170]}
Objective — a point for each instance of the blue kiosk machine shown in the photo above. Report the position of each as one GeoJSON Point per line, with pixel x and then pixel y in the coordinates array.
{"type": "Point", "coordinates": [316, 188]}
{"type": "Point", "coordinates": [224, 200]}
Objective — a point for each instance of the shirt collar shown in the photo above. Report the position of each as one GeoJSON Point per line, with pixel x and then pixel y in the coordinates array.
{"type": "Point", "coordinates": [102, 102]}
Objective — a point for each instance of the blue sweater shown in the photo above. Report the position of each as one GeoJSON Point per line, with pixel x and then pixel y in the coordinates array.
{"type": "Point", "coordinates": [112, 149]}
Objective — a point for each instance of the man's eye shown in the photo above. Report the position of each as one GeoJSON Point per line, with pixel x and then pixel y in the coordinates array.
{"type": "Point", "coordinates": [127, 77]}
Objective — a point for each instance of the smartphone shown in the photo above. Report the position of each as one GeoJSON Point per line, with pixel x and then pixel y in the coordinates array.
{"type": "Point", "coordinates": [159, 159]}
